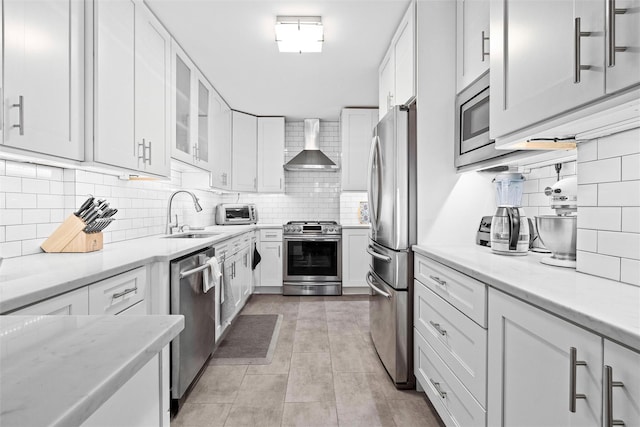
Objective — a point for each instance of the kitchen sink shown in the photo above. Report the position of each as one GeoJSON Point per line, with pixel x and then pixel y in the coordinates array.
{"type": "Point", "coordinates": [192, 235]}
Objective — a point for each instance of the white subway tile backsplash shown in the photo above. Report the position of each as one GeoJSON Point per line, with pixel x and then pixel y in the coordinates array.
{"type": "Point", "coordinates": [621, 144]}
{"type": "Point", "coordinates": [625, 193]}
{"type": "Point", "coordinates": [598, 265]}
{"type": "Point", "coordinates": [56, 187]}
{"type": "Point", "coordinates": [49, 173]}
{"type": "Point", "coordinates": [588, 195]}
{"type": "Point", "coordinates": [10, 249]}
{"type": "Point", "coordinates": [625, 245]}
{"type": "Point", "coordinates": [36, 216]}
{"type": "Point", "coordinates": [588, 151]}
{"type": "Point", "coordinates": [20, 232]}
{"type": "Point", "coordinates": [10, 216]}
{"type": "Point", "coordinates": [600, 218]}
{"type": "Point", "coordinates": [50, 201]}
{"type": "Point", "coordinates": [2, 234]}
{"type": "Point", "coordinates": [45, 230]}
{"type": "Point", "coordinates": [631, 167]}
{"type": "Point", "coordinates": [27, 170]}
{"type": "Point", "coordinates": [38, 186]}
{"type": "Point", "coordinates": [20, 200]}
{"type": "Point", "coordinates": [630, 271]}
{"type": "Point", "coordinates": [530, 185]}
{"type": "Point", "coordinates": [10, 184]}
{"type": "Point", "coordinates": [587, 240]}
{"type": "Point", "coordinates": [3, 167]}
{"type": "Point", "coordinates": [32, 246]}
{"type": "Point", "coordinates": [631, 219]}
{"type": "Point", "coordinates": [598, 171]}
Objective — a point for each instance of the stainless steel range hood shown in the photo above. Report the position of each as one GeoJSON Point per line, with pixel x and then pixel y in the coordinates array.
{"type": "Point", "coordinates": [311, 158]}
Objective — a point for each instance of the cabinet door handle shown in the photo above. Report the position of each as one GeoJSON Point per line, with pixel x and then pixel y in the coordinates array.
{"type": "Point", "coordinates": [578, 34]}
{"type": "Point", "coordinates": [573, 366]}
{"type": "Point", "coordinates": [149, 158]}
{"type": "Point", "coordinates": [195, 156]}
{"type": "Point", "coordinates": [484, 52]}
{"type": "Point", "coordinates": [612, 12]}
{"type": "Point", "coordinates": [281, 183]}
{"type": "Point", "coordinates": [438, 280]}
{"type": "Point", "coordinates": [610, 384]}
{"type": "Point", "coordinates": [20, 107]}
{"type": "Point", "coordinates": [142, 146]}
{"type": "Point", "coordinates": [436, 385]}
{"type": "Point", "coordinates": [125, 292]}
{"type": "Point", "coordinates": [438, 328]}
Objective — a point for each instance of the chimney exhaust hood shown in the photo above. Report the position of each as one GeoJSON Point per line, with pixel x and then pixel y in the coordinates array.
{"type": "Point", "coordinates": [311, 158]}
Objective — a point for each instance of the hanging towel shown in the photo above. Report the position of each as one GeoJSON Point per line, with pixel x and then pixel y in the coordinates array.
{"type": "Point", "coordinates": [256, 257]}
{"type": "Point", "coordinates": [211, 275]}
{"type": "Point", "coordinates": [227, 301]}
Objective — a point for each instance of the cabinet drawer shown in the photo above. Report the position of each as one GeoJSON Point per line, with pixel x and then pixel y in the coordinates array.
{"type": "Point", "coordinates": [459, 341]}
{"type": "Point", "coordinates": [452, 400]}
{"type": "Point", "coordinates": [115, 294]}
{"type": "Point", "coordinates": [464, 293]}
{"type": "Point", "coordinates": [270, 235]}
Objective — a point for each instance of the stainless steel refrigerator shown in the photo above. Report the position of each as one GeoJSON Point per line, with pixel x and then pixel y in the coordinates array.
{"type": "Point", "coordinates": [392, 205]}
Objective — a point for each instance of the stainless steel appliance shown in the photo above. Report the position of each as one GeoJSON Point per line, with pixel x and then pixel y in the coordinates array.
{"type": "Point", "coordinates": [509, 225]}
{"type": "Point", "coordinates": [483, 235]}
{"type": "Point", "coordinates": [472, 142]}
{"type": "Point", "coordinates": [392, 206]}
{"type": "Point", "coordinates": [312, 258]}
{"type": "Point", "coordinates": [191, 349]}
{"type": "Point", "coordinates": [558, 232]}
{"type": "Point", "coordinates": [311, 158]}
{"type": "Point", "coordinates": [236, 214]}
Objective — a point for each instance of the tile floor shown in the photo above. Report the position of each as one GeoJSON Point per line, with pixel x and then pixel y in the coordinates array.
{"type": "Point", "coordinates": [324, 372]}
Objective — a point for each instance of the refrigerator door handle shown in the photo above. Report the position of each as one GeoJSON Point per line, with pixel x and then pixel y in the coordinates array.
{"type": "Point", "coordinates": [376, 255]}
{"type": "Point", "coordinates": [374, 154]}
{"type": "Point", "coordinates": [375, 288]}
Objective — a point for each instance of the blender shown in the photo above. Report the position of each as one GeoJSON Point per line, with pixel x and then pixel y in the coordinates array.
{"type": "Point", "coordinates": [558, 232]}
{"type": "Point", "coordinates": [509, 225]}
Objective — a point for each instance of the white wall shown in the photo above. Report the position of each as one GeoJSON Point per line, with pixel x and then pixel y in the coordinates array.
{"type": "Point", "coordinates": [450, 205]}
{"type": "Point", "coordinates": [609, 207]}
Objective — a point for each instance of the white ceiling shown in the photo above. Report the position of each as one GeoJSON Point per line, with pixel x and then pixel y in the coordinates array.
{"type": "Point", "coordinates": [233, 44]}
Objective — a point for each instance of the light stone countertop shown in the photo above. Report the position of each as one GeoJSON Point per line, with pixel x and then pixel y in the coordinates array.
{"type": "Point", "coordinates": [57, 370]}
{"type": "Point", "coordinates": [347, 226]}
{"type": "Point", "coordinates": [607, 307]}
{"type": "Point", "coordinates": [32, 278]}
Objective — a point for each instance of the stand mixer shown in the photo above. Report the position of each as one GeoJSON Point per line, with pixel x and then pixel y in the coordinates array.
{"type": "Point", "coordinates": [558, 232]}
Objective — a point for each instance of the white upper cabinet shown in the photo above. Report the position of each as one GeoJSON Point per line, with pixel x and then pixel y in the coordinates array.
{"type": "Point", "coordinates": [356, 126]}
{"type": "Point", "coordinates": [43, 76]}
{"type": "Point", "coordinates": [221, 166]}
{"type": "Point", "coordinates": [549, 58]}
{"type": "Point", "coordinates": [472, 40]}
{"type": "Point", "coordinates": [245, 134]}
{"type": "Point", "coordinates": [271, 154]}
{"type": "Point", "coordinates": [191, 112]}
{"type": "Point", "coordinates": [135, 94]}
{"type": "Point", "coordinates": [623, 44]}
{"type": "Point", "coordinates": [397, 71]}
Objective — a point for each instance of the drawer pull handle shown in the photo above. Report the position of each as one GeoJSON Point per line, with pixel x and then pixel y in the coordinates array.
{"type": "Point", "coordinates": [438, 280]}
{"type": "Point", "coordinates": [436, 385]}
{"type": "Point", "coordinates": [610, 384]}
{"type": "Point", "coordinates": [437, 327]}
{"type": "Point", "coordinates": [573, 365]}
{"type": "Point", "coordinates": [125, 292]}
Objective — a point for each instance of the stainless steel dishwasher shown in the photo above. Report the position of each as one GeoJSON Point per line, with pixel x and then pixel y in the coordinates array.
{"type": "Point", "coordinates": [191, 349]}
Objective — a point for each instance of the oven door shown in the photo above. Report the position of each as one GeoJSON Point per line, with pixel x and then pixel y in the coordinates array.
{"type": "Point", "coordinates": [310, 259]}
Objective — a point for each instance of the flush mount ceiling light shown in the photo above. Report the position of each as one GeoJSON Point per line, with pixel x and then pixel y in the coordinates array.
{"type": "Point", "coordinates": [299, 34]}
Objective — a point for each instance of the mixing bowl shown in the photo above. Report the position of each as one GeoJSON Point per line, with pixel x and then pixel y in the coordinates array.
{"type": "Point", "coordinates": [558, 234]}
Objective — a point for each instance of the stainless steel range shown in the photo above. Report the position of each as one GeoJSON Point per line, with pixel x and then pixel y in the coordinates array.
{"type": "Point", "coordinates": [312, 258]}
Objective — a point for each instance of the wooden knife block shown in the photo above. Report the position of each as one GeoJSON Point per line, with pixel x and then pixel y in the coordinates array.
{"type": "Point", "coordinates": [69, 237]}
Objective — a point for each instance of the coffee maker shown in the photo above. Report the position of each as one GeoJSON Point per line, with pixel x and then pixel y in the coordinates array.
{"type": "Point", "coordinates": [509, 225]}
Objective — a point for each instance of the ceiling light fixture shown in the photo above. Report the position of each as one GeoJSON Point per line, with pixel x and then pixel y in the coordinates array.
{"type": "Point", "coordinates": [299, 34]}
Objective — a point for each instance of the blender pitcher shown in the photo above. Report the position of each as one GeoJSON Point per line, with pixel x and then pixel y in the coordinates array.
{"type": "Point", "coordinates": [509, 226]}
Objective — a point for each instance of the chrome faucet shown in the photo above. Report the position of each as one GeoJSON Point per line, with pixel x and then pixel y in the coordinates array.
{"type": "Point", "coordinates": [196, 204]}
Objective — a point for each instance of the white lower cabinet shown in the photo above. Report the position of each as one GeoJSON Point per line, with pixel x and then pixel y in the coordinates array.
{"type": "Point", "coordinates": [271, 263]}
{"type": "Point", "coordinates": [543, 371]}
{"type": "Point", "coordinates": [136, 403]}
{"type": "Point", "coordinates": [72, 303]}
{"type": "Point", "coordinates": [355, 259]}
{"type": "Point", "coordinates": [450, 342]}
{"type": "Point", "coordinates": [119, 293]}
{"type": "Point", "coordinates": [621, 385]}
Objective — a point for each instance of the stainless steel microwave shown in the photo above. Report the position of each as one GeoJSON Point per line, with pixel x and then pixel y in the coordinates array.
{"type": "Point", "coordinates": [472, 140]}
{"type": "Point", "coordinates": [228, 214]}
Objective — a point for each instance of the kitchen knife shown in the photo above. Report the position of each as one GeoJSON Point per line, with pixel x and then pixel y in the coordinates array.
{"type": "Point", "coordinates": [84, 206]}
